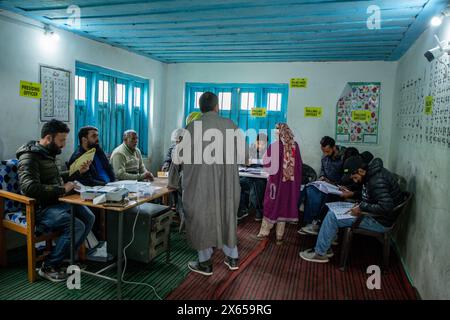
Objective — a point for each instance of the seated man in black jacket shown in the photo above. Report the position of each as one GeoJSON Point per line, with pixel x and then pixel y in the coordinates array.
{"type": "Point", "coordinates": [380, 195]}
{"type": "Point", "coordinates": [100, 171]}
{"type": "Point", "coordinates": [315, 209]}
{"type": "Point", "coordinates": [39, 178]}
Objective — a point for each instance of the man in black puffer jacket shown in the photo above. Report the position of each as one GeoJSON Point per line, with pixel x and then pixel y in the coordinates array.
{"type": "Point", "coordinates": [40, 178]}
{"type": "Point", "coordinates": [380, 195]}
{"type": "Point", "coordinates": [381, 192]}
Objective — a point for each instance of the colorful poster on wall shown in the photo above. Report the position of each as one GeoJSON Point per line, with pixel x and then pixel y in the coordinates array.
{"type": "Point", "coordinates": [357, 113]}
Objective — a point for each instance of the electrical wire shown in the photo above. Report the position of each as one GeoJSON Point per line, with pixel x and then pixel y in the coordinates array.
{"type": "Point", "coordinates": [125, 255]}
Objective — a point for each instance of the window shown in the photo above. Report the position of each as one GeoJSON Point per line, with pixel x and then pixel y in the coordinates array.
{"type": "Point", "coordinates": [137, 97]}
{"type": "Point", "coordinates": [198, 94]}
{"type": "Point", "coordinates": [103, 91]}
{"type": "Point", "coordinates": [224, 100]}
{"type": "Point", "coordinates": [113, 102]}
{"type": "Point", "coordinates": [274, 101]}
{"type": "Point", "coordinates": [236, 102]}
{"type": "Point", "coordinates": [80, 88]}
{"type": "Point", "coordinates": [247, 100]}
{"type": "Point", "coordinates": [120, 94]}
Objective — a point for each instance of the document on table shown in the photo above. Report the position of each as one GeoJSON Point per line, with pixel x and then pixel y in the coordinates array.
{"type": "Point", "coordinates": [140, 187]}
{"type": "Point", "coordinates": [326, 187]}
{"type": "Point", "coordinates": [87, 156]}
{"type": "Point", "coordinates": [341, 209]}
{"type": "Point", "coordinates": [79, 187]}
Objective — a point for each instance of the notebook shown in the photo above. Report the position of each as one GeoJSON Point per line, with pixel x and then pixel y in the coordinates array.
{"type": "Point", "coordinates": [326, 187]}
{"type": "Point", "coordinates": [341, 209]}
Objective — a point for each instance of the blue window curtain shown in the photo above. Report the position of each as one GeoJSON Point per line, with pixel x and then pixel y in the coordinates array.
{"type": "Point", "coordinates": [83, 111]}
{"type": "Point", "coordinates": [110, 111]}
{"type": "Point", "coordinates": [242, 117]}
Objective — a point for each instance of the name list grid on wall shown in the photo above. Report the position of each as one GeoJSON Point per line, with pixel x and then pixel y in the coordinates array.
{"type": "Point", "coordinates": [424, 112]}
{"type": "Point", "coordinates": [55, 99]}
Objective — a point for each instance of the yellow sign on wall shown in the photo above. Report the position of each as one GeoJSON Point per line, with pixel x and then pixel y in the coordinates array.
{"type": "Point", "coordinates": [30, 89]}
{"type": "Point", "coordinates": [361, 115]}
{"type": "Point", "coordinates": [429, 105]}
{"type": "Point", "coordinates": [259, 112]}
{"type": "Point", "coordinates": [313, 112]}
{"type": "Point", "coordinates": [299, 82]}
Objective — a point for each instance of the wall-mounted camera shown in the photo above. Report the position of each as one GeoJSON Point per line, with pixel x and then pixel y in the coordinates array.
{"type": "Point", "coordinates": [437, 52]}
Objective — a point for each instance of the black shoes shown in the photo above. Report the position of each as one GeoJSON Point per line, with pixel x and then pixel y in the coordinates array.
{"type": "Point", "coordinates": [52, 273]}
{"type": "Point", "coordinates": [242, 214]}
{"type": "Point", "coordinates": [232, 264]}
{"type": "Point", "coordinates": [204, 268]}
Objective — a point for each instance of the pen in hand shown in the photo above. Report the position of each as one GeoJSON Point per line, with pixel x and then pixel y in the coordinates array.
{"type": "Point", "coordinates": [342, 188]}
{"type": "Point", "coordinates": [355, 206]}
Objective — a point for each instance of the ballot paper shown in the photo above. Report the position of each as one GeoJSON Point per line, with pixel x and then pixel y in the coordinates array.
{"type": "Point", "coordinates": [76, 165]}
{"type": "Point", "coordinates": [341, 209]}
{"type": "Point", "coordinates": [326, 187]}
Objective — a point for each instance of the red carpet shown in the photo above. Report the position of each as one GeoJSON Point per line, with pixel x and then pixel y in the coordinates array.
{"type": "Point", "coordinates": [278, 273]}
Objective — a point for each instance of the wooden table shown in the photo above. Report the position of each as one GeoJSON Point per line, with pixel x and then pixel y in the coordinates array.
{"type": "Point", "coordinates": [75, 199]}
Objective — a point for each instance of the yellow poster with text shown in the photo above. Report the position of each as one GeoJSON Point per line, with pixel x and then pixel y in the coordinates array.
{"type": "Point", "coordinates": [313, 112]}
{"type": "Point", "coordinates": [30, 89]}
{"type": "Point", "coordinates": [299, 82]}
{"type": "Point", "coordinates": [429, 105]}
{"type": "Point", "coordinates": [259, 112]}
{"type": "Point", "coordinates": [361, 115]}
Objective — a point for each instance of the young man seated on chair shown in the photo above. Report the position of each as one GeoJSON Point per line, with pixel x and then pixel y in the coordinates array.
{"type": "Point", "coordinates": [100, 171]}
{"type": "Point", "coordinates": [380, 195]}
{"type": "Point", "coordinates": [39, 178]}
{"type": "Point", "coordinates": [330, 171]}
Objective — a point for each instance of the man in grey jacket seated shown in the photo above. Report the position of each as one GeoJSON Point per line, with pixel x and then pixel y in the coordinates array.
{"type": "Point", "coordinates": [380, 195]}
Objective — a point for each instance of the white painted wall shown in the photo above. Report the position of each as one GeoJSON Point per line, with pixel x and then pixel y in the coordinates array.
{"type": "Point", "coordinates": [423, 238]}
{"type": "Point", "coordinates": [326, 83]}
{"type": "Point", "coordinates": [424, 233]}
{"type": "Point", "coordinates": [21, 52]}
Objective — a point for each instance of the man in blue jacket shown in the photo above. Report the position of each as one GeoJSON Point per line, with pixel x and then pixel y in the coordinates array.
{"type": "Point", "coordinates": [100, 170]}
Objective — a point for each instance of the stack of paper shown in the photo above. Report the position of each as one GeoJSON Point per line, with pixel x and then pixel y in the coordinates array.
{"type": "Point", "coordinates": [144, 189]}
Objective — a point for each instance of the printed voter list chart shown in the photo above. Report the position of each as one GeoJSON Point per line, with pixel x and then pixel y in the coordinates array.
{"type": "Point", "coordinates": [55, 100]}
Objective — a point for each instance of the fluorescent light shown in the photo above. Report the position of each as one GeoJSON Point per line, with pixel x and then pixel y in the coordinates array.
{"type": "Point", "coordinates": [436, 21]}
{"type": "Point", "coordinates": [54, 36]}
{"type": "Point", "coordinates": [50, 39]}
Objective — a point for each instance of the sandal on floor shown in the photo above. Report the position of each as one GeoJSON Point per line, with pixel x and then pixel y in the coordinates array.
{"type": "Point", "coordinates": [258, 237]}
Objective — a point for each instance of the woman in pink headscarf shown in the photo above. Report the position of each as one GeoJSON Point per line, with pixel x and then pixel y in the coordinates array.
{"type": "Point", "coordinates": [283, 185]}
